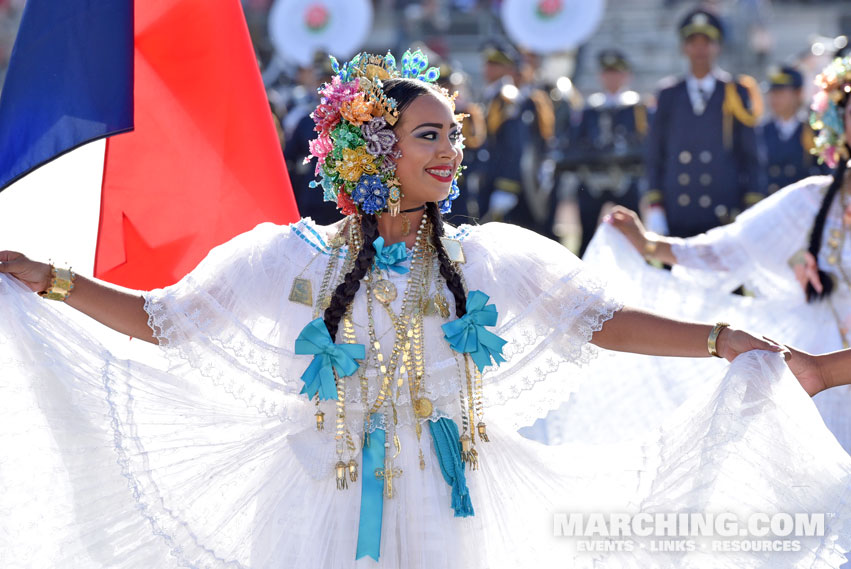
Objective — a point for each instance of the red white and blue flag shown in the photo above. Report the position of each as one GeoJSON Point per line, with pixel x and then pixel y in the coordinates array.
{"type": "Point", "coordinates": [193, 157]}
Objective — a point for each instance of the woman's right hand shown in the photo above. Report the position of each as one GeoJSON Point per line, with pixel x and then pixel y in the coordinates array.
{"type": "Point", "coordinates": [33, 274]}
{"type": "Point", "coordinates": [627, 222]}
{"type": "Point", "coordinates": [806, 271]}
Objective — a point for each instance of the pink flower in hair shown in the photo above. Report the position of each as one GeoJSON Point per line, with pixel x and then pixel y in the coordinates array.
{"type": "Point", "coordinates": [320, 147]}
{"type": "Point", "coordinates": [326, 118]}
{"type": "Point", "coordinates": [820, 102]}
{"type": "Point", "coordinates": [830, 156]}
{"type": "Point", "coordinates": [337, 92]}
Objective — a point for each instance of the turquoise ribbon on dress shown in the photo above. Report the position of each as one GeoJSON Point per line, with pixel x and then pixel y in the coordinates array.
{"type": "Point", "coordinates": [327, 357]}
{"type": "Point", "coordinates": [468, 335]}
{"type": "Point", "coordinates": [447, 446]}
{"type": "Point", "coordinates": [390, 258]}
{"type": "Point", "coordinates": [372, 494]}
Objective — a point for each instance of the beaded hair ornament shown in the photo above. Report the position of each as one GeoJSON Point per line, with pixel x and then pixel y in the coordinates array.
{"type": "Point", "coordinates": [355, 148]}
{"type": "Point", "coordinates": [834, 84]}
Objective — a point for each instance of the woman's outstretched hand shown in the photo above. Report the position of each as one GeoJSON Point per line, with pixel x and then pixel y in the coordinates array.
{"type": "Point", "coordinates": [806, 271]}
{"type": "Point", "coordinates": [808, 370]}
{"type": "Point", "coordinates": [732, 342]}
{"type": "Point", "coordinates": [33, 274]}
{"type": "Point", "coordinates": [627, 222]}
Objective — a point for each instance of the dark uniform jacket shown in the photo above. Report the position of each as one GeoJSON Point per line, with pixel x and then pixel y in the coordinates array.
{"type": "Point", "coordinates": [788, 160]}
{"type": "Point", "coordinates": [703, 168]}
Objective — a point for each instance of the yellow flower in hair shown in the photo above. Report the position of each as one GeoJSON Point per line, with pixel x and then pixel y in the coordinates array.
{"type": "Point", "coordinates": [355, 163]}
{"type": "Point", "coordinates": [357, 111]}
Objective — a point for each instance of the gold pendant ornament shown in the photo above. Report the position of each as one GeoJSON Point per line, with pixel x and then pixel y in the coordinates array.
{"type": "Point", "coordinates": [320, 420]}
{"type": "Point", "coordinates": [385, 291]}
{"type": "Point", "coordinates": [454, 250]}
{"type": "Point", "coordinates": [302, 292]}
{"type": "Point", "coordinates": [441, 305]}
{"type": "Point", "coordinates": [388, 474]}
{"type": "Point", "coordinates": [423, 408]}
{"type": "Point", "coordinates": [483, 433]}
{"type": "Point", "coordinates": [353, 470]}
{"type": "Point", "coordinates": [468, 452]}
{"type": "Point", "coordinates": [341, 469]}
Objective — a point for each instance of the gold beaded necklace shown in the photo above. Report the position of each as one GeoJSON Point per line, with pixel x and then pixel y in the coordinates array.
{"type": "Point", "coordinates": [407, 357]}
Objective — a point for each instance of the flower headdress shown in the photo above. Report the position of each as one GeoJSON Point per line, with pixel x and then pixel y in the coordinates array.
{"type": "Point", "coordinates": [355, 148]}
{"type": "Point", "coordinates": [834, 83]}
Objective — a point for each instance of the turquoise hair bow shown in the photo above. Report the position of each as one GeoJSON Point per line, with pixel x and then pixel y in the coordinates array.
{"type": "Point", "coordinates": [468, 334]}
{"type": "Point", "coordinates": [327, 357]}
{"type": "Point", "coordinates": [390, 258]}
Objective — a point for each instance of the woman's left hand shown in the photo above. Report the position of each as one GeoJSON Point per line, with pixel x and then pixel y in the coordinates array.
{"type": "Point", "coordinates": [807, 370]}
{"type": "Point", "coordinates": [732, 342]}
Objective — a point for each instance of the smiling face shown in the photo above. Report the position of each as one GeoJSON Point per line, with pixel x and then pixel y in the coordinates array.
{"type": "Point", "coordinates": [430, 143]}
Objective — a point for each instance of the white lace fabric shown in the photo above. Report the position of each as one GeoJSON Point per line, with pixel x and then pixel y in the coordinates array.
{"type": "Point", "coordinates": [211, 460]}
{"type": "Point", "coordinates": [230, 321]}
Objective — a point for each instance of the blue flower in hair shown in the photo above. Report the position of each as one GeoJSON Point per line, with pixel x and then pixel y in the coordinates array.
{"type": "Point", "coordinates": [445, 205]}
{"type": "Point", "coordinates": [371, 194]}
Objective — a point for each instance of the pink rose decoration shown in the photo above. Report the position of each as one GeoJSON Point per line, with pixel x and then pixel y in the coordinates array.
{"type": "Point", "coordinates": [320, 147]}
{"type": "Point", "coordinates": [820, 102]}
{"type": "Point", "coordinates": [316, 17]}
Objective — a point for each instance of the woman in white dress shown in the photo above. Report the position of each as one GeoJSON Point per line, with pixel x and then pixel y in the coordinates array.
{"type": "Point", "coordinates": [321, 406]}
{"type": "Point", "coordinates": [791, 250]}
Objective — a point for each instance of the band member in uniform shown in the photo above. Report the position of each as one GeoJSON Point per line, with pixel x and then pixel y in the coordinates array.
{"type": "Point", "coordinates": [786, 136]}
{"type": "Point", "coordinates": [606, 148]}
{"type": "Point", "coordinates": [702, 162]}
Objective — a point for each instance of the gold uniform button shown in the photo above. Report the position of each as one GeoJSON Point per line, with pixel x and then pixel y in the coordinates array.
{"type": "Point", "coordinates": [774, 171]}
{"type": "Point", "coordinates": [773, 188]}
{"type": "Point", "coordinates": [706, 157]}
{"type": "Point", "coordinates": [704, 201]}
{"type": "Point", "coordinates": [683, 200]}
{"type": "Point", "coordinates": [685, 157]}
{"type": "Point", "coordinates": [721, 211]}
{"type": "Point", "coordinates": [789, 170]}
{"type": "Point", "coordinates": [683, 179]}
{"type": "Point", "coordinates": [705, 179]}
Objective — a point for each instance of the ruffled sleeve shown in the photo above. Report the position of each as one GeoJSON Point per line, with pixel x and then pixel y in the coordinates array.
{"type": "Point", "coordinates": [755, 249]}
{"type": "Point", "coordinates": [550, 304]}
{"type": "Point", "coordinates": [230, 320]}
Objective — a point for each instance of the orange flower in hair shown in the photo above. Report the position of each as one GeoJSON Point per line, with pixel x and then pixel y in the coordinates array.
{"type": "Point", "coordinates": [357, 111]}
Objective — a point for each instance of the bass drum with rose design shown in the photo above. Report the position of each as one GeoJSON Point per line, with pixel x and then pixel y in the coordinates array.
{"type": "Point", "coordinates": [547, 26]}
{"type": "Point", "coordinates": [301, 28]}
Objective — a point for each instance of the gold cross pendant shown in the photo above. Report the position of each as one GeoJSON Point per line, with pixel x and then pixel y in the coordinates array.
{"type": "Point", "coordinates": [388, 474]}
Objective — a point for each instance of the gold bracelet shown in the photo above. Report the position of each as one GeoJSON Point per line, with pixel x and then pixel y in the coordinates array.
{"type": "Point", "coordinates": [713, 338]}
{"type": "Point", "coordinates": [650, 246]}
{"type": "Point", "coordinates": [61, 284]}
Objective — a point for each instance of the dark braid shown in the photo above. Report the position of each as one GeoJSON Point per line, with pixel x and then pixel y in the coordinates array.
{"type": "Point", "coordinates": [818, 230]}
{"type": "Point", "coordinates": [447, 269]}
{"type": "Point", "coordinates": [345, 291]}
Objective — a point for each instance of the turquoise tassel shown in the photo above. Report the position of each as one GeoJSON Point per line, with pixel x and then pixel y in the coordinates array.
{"type": "Point", "coordinates": [447, 446]}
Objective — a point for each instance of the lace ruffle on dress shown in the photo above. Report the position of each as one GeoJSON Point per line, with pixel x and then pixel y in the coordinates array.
{"type": "Point", "coordinates": [203, 455]}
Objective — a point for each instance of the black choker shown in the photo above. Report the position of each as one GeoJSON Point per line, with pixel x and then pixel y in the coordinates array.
{"type": "Point", "coordinates": [413, 209]}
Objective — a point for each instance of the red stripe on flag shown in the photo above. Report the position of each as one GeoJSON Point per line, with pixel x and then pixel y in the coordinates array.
{"type": "Point", "coordinates": [204, 162]}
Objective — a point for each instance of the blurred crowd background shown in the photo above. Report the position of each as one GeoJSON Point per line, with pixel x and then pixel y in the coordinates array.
{"type": "Point", "coordinates": [553, 139]}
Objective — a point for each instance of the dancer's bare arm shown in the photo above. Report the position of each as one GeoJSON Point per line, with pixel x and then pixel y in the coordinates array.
{"type": "Point", "coordinates": [119, 308]}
